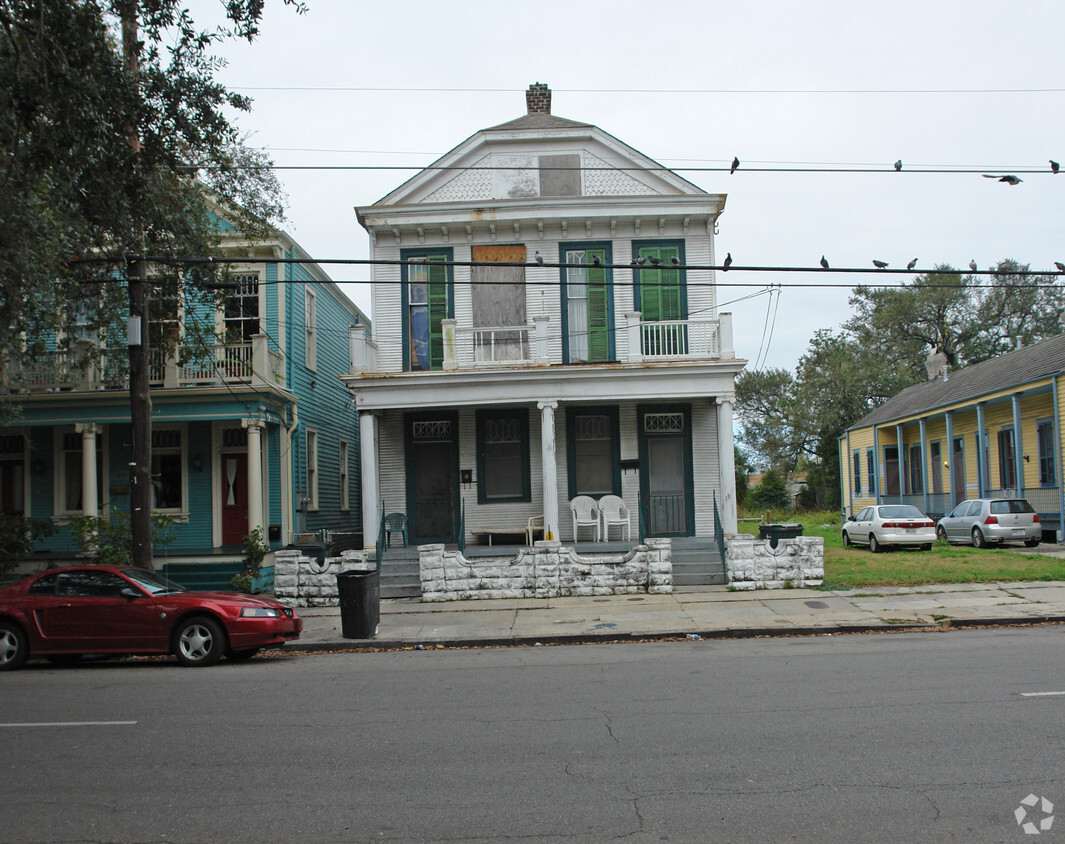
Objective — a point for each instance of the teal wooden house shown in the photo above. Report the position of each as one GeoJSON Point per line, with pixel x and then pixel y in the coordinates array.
{"type": "Point", "coordinates": [251, 428]}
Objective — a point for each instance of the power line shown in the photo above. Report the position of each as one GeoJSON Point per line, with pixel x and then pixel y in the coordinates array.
{"type": "Point", "coordinates": [652, 91]}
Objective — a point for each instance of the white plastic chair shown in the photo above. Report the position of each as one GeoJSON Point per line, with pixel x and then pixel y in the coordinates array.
{"type": "Point", "coordinates": [585, 515]}
{"type": "Point", "coordinates": [615, 512]}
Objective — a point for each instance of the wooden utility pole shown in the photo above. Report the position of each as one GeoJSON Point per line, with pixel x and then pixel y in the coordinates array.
{"type": "Point", "coordinates": [140, 401]}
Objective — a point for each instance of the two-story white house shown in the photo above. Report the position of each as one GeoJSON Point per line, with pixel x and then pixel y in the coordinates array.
{"type": "Point", "coordinates": [545, 326]}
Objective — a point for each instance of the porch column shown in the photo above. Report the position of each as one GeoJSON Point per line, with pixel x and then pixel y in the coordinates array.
{"type": "Point", "coordinates": [878, 466]}
{"type": "Point", "coordinates": [727, 462]}
{"type": "Point", "coordinates": [924, 462]}
{"type": "Point", "coordinates": [1018, 446]}
{"type": "Point", "coordinates": [550, 467]}
{"type": "Point", "coordinates": [254, 427]}
{"type": "Point", "coordinates": [903, 476]}
{"type": "Point", "coordinates": [950, 460]}
{"type": "Point", "coordinates": [90, 504]}
{"type": "Point", "coordinates": [371, 508]}
{"type": "Point", "coordinates": [982, 481]}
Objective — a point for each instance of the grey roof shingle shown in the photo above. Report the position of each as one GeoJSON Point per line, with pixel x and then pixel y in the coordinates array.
{"type": "Point", "coordinates": [537, 120]}
{"type": "Point", "coordinates": [1009, 370]}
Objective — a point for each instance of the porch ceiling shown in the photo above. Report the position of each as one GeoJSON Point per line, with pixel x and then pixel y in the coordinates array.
{"type": "Point", "coordinates": [614, 382]}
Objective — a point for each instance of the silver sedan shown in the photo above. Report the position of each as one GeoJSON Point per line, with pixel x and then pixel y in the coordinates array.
{"type": "Point", "coordinates": [991, 521]}
{"type": "Point", "coordinates": [889, 524]}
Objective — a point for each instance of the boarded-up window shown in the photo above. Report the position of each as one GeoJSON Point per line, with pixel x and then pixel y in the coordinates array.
{"type": "Point", "coordinates": [499, 322]}
{"type": "Point", "coordinates": [560, 175]}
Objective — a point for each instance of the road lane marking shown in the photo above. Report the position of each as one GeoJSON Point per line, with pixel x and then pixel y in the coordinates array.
{"type": "Point", "coordinates": [70, 724]}
{"type": "Point", "coordinates": [1041, 694]}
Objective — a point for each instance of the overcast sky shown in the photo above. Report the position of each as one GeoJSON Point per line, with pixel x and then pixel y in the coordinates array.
{"type": "Point", "coordinates": [940, 85]}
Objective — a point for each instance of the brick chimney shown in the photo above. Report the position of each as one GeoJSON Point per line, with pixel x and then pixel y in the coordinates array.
{"type": "Point", "coordinates": [538, 98]}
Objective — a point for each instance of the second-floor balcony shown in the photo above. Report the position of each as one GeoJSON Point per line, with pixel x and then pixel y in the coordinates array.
{"type": "Point", "coordinates": [637, 341]}
{"type": "Point", "coordinates": [181, 366]}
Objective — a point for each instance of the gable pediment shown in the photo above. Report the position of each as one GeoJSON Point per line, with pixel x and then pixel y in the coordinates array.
{"type": "Point", "coordinates": [521, 161]}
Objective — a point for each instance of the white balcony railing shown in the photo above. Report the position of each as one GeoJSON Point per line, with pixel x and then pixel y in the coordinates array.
{"type": "Point", "coordinates": [59, 371]}
{"type": "Point", "coordinates": [487, 346]}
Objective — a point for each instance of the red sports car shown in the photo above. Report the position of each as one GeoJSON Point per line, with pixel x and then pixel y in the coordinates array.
{"type": "Point", "coordinates": [63, 613]}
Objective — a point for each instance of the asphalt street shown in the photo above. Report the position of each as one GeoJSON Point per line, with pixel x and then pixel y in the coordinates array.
{"type": "Point", "coordinates": [929, 736]}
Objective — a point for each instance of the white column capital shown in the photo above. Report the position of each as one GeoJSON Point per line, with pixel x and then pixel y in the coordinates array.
{"type": "Point", "coordinates": [726, 398]}
{"type": "Point", "coordinates": [87, 429]}
{"type": "Point", "coordinates": [547, 405]}
{"type": "Point", "coordinates": [253, 423]}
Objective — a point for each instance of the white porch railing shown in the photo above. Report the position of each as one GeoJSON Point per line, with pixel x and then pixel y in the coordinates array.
{"type": "Point", "coordinates": [487, 346]}
{"type": "Point", "coordinates": [679, 339]}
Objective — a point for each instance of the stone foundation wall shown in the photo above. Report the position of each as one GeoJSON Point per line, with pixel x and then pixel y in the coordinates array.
{"type": "Point", "coordinates": [300, 581]}
{"type": "Point", "coordinates": [545, 571]}
{"type": "Point", "coordinates": [755, 564]}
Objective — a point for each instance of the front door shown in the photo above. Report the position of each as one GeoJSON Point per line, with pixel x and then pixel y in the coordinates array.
{"type": "Point", "coordinates": [432, 477]}
{"type": "Point", "coordinates": [234, 498]}
{"type": "Point", "coordinates": [666, 487]}
{"type": "Point", "coordinates": [957, 469]}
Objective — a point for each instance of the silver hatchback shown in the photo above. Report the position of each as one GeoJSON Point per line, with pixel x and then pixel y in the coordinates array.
{"type": "Point", "coordinates": [991, 521]}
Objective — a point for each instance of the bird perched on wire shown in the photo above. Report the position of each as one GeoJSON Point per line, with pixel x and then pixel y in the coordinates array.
{"type": "Point", "coordinates": [641, 260]}
{"type": "Point", "coordinates": [674, 260]}
{"type": "Point", "coordinates": [824, 263]}
{"type": "Point", "coordinates": [654, 260]}
{"type": "Point", "coordinates": [1060, 266]}
{"type": "Point", "coordinates": [879, 264]}
{"type": "Point", "coordinates": [727, 262]}
{"type": "Point", "coordinates": [539, 258]}
{"type": "Point", "coordinates": [1054, 166]}
{"type": "Point", "coordinates": [735, 165]}
{"type": "Point", "coordinates": [898, 165]}
{"type": "Point", "coordinates": [595, 260]}
{"type": "Point", "coordinates": [912, 264]}
{"type": "Point", "coordinates": [1009, 178]}
{"type": "Point", "coordinates": [972, 265]}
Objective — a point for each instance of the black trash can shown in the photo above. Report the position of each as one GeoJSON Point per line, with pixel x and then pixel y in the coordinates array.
{"type": "Point", "coordinates": [360, 603]}
{"type": "Point", "coordinates": [774, 533]}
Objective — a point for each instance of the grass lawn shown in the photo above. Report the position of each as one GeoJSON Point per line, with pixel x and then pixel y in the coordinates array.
{"type": "Point", "coordinates": [855, 567]}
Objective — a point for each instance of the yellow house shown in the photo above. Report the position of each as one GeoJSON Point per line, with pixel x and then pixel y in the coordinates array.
{"type": "Point", "coordinates": [989, 430]}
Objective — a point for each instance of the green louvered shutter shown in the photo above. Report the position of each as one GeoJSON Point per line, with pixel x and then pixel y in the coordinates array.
{"type": "Point", "coordinates": [598, 327]}
{"type": "Point", "coordinates": [437, 311]}
{"type": "Point", "coordinates": [661, 298]}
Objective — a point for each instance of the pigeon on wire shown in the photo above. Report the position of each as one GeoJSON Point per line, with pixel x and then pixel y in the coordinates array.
{"type": "Point", "coordinates": [824, 262]}
{"type": "Point", "coordinates": [735, 165]}
{"type": "Point", "coordinates": [1054, 166]}
{"type": "Point", "coordinates": [972, 265]}
{"type": "Point", "coordinates": [727, 262]}
{"type": "Point", "coordinates": [539, 258]}
{"type": "Point", "coordinates": [1009, 178]}
{"type": "Point", "coordinates": [880, 265]}
{"type": "Point", "coordinates": [1060, 266]}
{"type": "Point", "coordinates": [641, 260]}
{"type": "Point", "coordinates": [595, 260]}
{"type": "Point", "coordinates": [654, 260]}
{"type": "Point", "coordinates": [898, 165]}
{"type": "Point", "coordinates": [675, 260]}
{"type": "Point", "coordinates": [912, 264]}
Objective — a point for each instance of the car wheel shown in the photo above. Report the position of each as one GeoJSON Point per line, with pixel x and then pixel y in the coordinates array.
{"type": "Point", "coordinates": [941, 532]}
{"type": "Point", "coordinates": [874, 546]}
{"type": "Point", "coordinates": [978, 538]}
{"type": "Point", "coordinates": [927, 546]}
{"type": "Point", "coordinates": [1031, 543]}
{"type": "Point", "coordinates": [199, 641]}
{"type": "Point", "coordinates": [14, 647]}
{"type": "Point", "coordinates": [242, 654]}
{"type": "Point", "coordinates": [846, 539]}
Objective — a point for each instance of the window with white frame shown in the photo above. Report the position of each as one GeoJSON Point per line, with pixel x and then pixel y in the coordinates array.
{"type": "Point", "coordinates": [345, 504]}
{"type": "Point", "coordinates": [168, 474]}
{"type": "Point", "coordinates": [312, 469]}
{"type": "Point", "coordinates": [310, 318]}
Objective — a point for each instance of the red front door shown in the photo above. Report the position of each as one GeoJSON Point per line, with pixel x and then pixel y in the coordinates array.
{"type": "Point", "coordinates": [234, 498]}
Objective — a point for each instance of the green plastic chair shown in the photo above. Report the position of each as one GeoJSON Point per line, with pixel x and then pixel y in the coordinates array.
{"type": "Point", "coordinates": [395, 523]}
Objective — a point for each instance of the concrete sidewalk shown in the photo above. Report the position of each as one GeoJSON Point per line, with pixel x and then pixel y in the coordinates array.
{"type": "Point", "coordinates": [706, 612]}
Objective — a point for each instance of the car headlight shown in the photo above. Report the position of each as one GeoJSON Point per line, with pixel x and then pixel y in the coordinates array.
{"type": "Point", "coordinates": [259, 612]}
